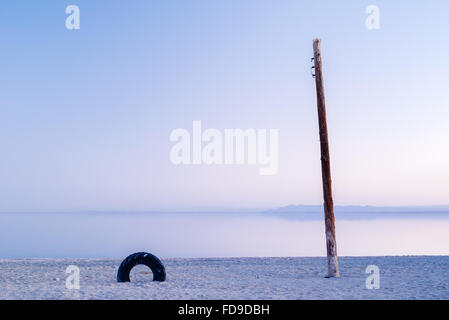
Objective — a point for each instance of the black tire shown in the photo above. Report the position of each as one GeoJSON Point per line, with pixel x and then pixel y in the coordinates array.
{"type": "Point", "coordinates": [145, 258]}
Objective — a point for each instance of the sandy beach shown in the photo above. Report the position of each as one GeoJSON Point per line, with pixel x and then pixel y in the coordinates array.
{"type": "Point", "coordinates": [406, 277]}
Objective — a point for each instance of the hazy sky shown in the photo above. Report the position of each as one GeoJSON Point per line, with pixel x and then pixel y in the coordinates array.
{"type": "Point", "coordinates": [86, 115]}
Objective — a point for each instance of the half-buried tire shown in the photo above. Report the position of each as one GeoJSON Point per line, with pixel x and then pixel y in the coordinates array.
{"type": "Point", "coordinates": [145, 258]}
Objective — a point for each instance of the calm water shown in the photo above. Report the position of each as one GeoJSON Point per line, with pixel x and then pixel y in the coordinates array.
{"type": "Point", "coordinates": [115, 235]}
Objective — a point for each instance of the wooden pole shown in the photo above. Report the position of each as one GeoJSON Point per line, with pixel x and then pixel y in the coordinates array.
{"type": "Point", "coordinates": [331, 243]}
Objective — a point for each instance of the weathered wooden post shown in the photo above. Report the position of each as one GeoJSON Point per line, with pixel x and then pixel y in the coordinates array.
{"type": "Point", "coordinates": [331, 243]}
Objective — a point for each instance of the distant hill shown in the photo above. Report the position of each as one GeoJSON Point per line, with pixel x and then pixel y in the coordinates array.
{"type": "Point", "coordinates": [358, 209]}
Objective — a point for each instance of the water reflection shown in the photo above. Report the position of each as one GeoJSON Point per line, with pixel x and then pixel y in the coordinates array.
{"type": "Point", "coordinates": [114, 235]}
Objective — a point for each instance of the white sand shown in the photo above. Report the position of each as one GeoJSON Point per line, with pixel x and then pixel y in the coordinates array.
{"type": "Point", "coordinates": [239, 278]}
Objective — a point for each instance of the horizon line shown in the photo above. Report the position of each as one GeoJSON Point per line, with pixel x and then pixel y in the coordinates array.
{"type": "Point", "coordinates": [223, 209]}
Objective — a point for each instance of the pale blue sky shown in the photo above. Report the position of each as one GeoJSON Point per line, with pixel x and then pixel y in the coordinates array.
{"type": "Point", "coordinates": [85, 115]}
